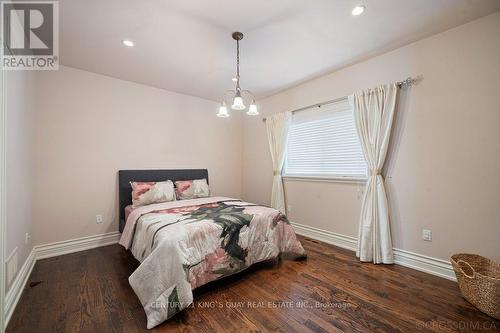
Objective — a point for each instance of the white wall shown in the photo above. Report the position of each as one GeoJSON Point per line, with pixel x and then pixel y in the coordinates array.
{"type": "Point", "coordinates": [89, 126]}
{"type": "Point", "coordinates": [20, 110]}
{"type": "Point", "coordinates": [443, 170]}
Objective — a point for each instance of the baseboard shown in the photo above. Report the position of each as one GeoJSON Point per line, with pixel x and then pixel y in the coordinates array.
{"type": "Point", "coordinates": [420, 262]}
{"type": "Point", "coordinates": [17, 286]}
{"type": "Point", "coordinates": [48, 251]}
{"type": "Point", "coordinates": [75, 245]}
{"type": "Point", "coordinates": [434, 266]}
{"type": "Point", "coordinates": [343, 241]}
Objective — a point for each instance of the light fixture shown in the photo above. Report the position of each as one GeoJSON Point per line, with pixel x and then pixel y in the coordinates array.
{"type": "Point", "coordinates": [238, 102]}
{"type": "Point", "coordinates": [128, 43]}
{"type": "Point", "coordinates": [238, 96]}
{"type": "Point", "coordinates": [223, 111]}
{"type": "Point", "coordinates": [358, 10]}
{"type": "Point", "coordinates": [252, 109]}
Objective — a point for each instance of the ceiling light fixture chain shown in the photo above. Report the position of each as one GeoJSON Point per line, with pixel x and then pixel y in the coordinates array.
{"type": "Point", "coordinates": [238, 62]}
{"type": "Point", "coordinates": [238, 102]}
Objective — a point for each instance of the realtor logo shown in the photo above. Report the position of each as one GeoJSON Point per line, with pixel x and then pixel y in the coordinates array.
{"type": "Point", "coordinates": [30, 34]}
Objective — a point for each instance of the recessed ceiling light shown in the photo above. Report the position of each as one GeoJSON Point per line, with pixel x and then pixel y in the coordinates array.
{"type": "Point", "coordinates": [128, 42]}
{"type": "Point", "coordinates": [358, 10]}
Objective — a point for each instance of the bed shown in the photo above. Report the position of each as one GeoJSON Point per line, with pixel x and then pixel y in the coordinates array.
{"type": "Point", "coordinates": [184, 244]}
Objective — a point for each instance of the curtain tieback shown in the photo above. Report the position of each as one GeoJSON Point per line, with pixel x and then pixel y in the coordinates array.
{"type": "Point", "coordinates": [276, 173]}
{"type": "Point", "coordinates": [376, 172]}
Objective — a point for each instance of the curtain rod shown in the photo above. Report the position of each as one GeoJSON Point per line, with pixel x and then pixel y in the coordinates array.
{"type": "Point", "coordinates": [409, 81]}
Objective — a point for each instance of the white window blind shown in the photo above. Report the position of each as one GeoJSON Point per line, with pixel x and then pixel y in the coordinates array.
{"type": "Point", "coordinates": [323, 143]}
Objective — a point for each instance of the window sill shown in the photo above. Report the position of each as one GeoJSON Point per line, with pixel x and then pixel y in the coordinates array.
{"type": "Point", "coordinates": [324, 179]}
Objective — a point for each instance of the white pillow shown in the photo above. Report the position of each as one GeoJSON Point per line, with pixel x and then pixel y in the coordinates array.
{"type": "Point", "coordinates": [192, 189]}
{"type": "Point", "coordinates": [145, 193]}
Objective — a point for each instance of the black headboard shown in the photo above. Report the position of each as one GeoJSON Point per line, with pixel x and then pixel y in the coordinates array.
{"type": "Point", "coordinates": [126, 176]}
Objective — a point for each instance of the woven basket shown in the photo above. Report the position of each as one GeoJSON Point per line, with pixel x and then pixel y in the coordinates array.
{"type": "Point", "coordinates": [479, 281]}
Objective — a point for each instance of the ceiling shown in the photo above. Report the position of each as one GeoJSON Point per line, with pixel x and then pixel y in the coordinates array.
{"type": "Point", "coordinates": [185, 45]}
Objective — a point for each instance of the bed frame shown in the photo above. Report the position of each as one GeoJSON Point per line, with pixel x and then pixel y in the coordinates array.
{"type": "Point", "coordinates": [126, 176]}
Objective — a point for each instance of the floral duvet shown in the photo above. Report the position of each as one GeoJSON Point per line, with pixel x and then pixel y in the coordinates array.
{"type": "Point", "coordinates": [184, 244]}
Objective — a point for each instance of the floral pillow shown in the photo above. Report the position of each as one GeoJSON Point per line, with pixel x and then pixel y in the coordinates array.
{"type": "Point", "coordinates": [191, 189]}
{"type": "Point", "coordinates": [145, 193]}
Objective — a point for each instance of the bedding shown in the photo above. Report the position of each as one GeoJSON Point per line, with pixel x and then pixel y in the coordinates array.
{"type": "Point", "coordinates": [128, 210]}
{"type": "Point", "coordinates": [145, 193]}
{"type": "Point", "coordinates": [192, 189]}
{"type": "Point", "coordinates": [184, 244]}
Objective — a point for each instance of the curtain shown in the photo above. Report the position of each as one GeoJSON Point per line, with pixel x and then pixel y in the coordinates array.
{"type": "Point", "coordinates": [277, 134]}
{"type": "Point", "coordinates": [373, 114]}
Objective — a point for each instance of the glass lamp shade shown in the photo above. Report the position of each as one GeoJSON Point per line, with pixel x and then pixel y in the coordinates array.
{"type": "Point", "coordinates": [238, 103]}
{"type": "Point", "coordinates": [223, 112]}
{"type": "Point", "coordinates": [252, 110]}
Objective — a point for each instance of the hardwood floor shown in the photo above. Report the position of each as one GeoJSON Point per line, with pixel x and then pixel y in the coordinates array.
{"type": "Point", "coordinates": [329, 292]}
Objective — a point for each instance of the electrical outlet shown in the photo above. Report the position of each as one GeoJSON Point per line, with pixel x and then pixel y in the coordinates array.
{"type": "Point", "coordinates": [289, 208]}
{"type": "Point", "coordinates": [27, 238]}
{"type": "Point", "coordinates": [98, 218]}
{"type": "Point", "coordinates": [12, 266]}
{"type": "Point", "coordinates": [427, 235]}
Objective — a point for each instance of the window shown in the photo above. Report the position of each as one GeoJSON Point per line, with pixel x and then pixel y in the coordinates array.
{"type": "Point", "coordinates": [323, 143]}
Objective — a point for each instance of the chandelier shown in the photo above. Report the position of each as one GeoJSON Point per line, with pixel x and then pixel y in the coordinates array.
{"type": "Point", "coordinates": [238, 97]}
